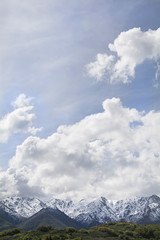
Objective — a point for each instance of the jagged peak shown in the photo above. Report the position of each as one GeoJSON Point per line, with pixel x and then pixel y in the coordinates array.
{"type": "Point", "coordinates": [17, 197]}
{"type": "Point", "coordinates": [155, 197]}
{"type": "Point", "coordinates": [101, 208]}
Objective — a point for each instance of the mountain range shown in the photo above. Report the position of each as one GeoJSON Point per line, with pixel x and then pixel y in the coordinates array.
{"type": "Point", "coordinates": [29, 213]}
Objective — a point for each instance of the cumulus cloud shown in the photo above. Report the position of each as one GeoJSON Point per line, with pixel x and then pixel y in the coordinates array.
{"type": "Point", "coordinates": [114, 153]}
{"type": "Point", "coordinates": [19, 120]}
{"type": "Point", "coordinates": [131, 48]}
{"type": "Point", "coordinates": [7, 184]}
{"type": "Point", "coordinates": [102, 64]}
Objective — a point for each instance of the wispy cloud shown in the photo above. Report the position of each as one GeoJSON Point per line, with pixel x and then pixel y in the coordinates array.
{"type": "Point", "coordinates": [108, 153]}
{"type": "Point", "coordinates": [20, 120]}
{"type": "Point", "coordinates": [132, 48]}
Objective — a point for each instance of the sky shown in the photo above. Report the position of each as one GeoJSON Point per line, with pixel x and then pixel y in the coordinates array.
{"type": "Point", "coordinates": [79, 98]}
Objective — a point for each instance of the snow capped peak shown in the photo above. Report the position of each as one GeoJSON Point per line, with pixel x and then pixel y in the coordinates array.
{"type": "Point", "coordinates": [24, 207]}
{"type": "Point", "coordinates": [97, 211]}
{"type": "Point", "coordinates": [154, 198]}
{"type": "Point", "coordinates": [66, 206]}
{"type": "Point", "coordinates": [137, 208]}
{"type": "Point", "coordinates": [101, 199]}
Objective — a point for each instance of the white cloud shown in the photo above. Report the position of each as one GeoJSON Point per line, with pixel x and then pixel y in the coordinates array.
{"type": "Point", "coordinates": [7, 184]}
{"type": "Point", "coordinates": [132, 48]}
{"type": "Point", "coordinates": [22, 101]}
{"type": "Point", "coordinates": [113, 153]}
{"type": "Point", "coordinates": [20, 120]}
{"type": "Point", "coordinates": [157, 75]}
{"type": "Point", "coordinates": [102, 64]}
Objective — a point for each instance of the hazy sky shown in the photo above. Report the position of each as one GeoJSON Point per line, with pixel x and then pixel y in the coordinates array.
{"type": "Point", "coordinates": [79, 97]}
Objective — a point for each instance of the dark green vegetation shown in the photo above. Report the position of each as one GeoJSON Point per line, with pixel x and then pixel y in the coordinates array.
{"type": "Point", "coordinates": [120, 230]}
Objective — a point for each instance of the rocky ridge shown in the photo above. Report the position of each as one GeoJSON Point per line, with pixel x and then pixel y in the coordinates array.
{"type": "Point", "coordinates": [139, 209]}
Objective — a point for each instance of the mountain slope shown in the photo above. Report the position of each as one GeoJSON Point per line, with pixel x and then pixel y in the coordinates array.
{"type": "Point", "coordinates": [49, 216]}
{"type": "Point", "coordinates": [66, 206]}
{"type": "Point", "coordinates": [145, 210]}
{"type": "Point", "coordinates": [97, 212]}
{"type": "Point", "coordinates": [140, 210]}
{"type": "Point", "coordinates": [6, 221]}
{"type": "Point", "coordinates": [20, 206]}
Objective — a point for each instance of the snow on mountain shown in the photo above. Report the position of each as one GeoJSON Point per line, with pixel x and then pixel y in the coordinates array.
{"type": "Point", "coordinates": [66, 206]}
{"type": "Point", "coordinates": [70, 208]}
{"type": "Point", "coordinates": [101, 210]}
{"type": "Point", "coordinates": [20, 206]}
{"type": "Point", "coordinates": [81, 209]}
{"type": "Point", "coordinates": [11, 212]}
{"type": "Point", "coordinates": [138, 208]}
{"type": "Point", "coordinates": [98, 211]}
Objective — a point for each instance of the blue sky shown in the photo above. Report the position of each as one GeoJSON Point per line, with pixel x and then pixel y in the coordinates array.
{"type": "Point", "coordinates": [59, 61]}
